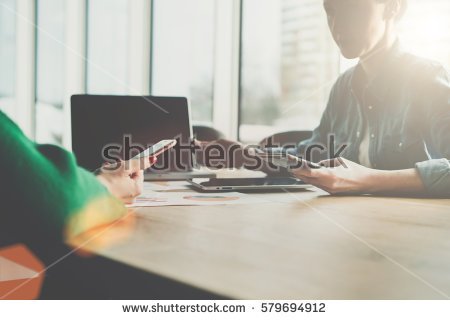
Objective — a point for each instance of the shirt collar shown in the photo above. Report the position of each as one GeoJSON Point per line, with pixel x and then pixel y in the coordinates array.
{"type": "Point", "coordinates": [385, 78]}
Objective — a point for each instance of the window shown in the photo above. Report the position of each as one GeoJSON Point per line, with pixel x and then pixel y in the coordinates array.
{"type": "Point", "coordinates": [107, 47]}
{"type": "Point", "coordinates": [7, 56]}
{"type": "Point", "coordinates": [289, 64]}
{"type": "Point", "coordinates": [50, 71]}
{"type": "Point", "coordinates": [288, 60]}
{"type": "Point", "coordinates": [183, 53]}
{"type": "Point", "coordinates": [425, 29]}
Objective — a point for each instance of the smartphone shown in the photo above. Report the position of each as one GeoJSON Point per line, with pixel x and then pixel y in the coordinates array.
{"type": "Point", "coordinates": [157, 149]}
{"type": "Point", "coordinates": [283, 159]}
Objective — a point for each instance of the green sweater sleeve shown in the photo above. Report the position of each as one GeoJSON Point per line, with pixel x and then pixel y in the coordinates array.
{"type": "Point", "coordinates": [43, 190]}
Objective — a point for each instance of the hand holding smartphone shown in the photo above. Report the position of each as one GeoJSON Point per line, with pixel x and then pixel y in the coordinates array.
{"type": "Point", "coordinates": [285, 160]}
{"type": "Point", "coordinates": [157, 149]}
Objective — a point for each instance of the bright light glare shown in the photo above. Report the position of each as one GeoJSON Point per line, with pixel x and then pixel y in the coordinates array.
{"type": "Point", "coordinates": [425, 30]}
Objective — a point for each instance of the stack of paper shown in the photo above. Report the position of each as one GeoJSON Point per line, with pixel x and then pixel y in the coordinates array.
{"type": "Point", "coordinates": [160, 194]}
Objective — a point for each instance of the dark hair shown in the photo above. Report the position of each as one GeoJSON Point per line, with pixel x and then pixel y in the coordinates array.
{"type": "Point", "coordinates": [403, 8]}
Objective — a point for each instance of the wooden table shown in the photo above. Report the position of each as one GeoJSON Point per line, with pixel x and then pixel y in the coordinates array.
{"type": "Point", "coordinates": [302, 245]}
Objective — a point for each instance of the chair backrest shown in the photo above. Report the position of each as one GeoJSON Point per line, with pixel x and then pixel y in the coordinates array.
{"type": "Point", "coordinates": [205, 133]}
{"type": "Point", "coordinates": [283, 139]}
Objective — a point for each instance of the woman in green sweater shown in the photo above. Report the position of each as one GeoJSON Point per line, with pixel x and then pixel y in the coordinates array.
{"type": "Point", "coordinates": [47, 199]}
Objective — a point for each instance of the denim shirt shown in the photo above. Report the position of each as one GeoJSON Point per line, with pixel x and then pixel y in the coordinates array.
{"type": "Point", "coordinates": [406, 109]}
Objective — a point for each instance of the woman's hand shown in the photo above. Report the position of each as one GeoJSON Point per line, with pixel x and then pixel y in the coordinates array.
{"type": "Point", "coordinates": [125, 179]}
{"type": "Point", "coordinates": [339, 176]}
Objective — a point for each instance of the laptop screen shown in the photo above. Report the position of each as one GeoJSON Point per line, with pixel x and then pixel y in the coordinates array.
{"type": "Point", "coordinates": [109, 128]}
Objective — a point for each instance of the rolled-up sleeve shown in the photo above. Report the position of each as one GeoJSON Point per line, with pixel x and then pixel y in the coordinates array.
{"type": "Point", "coordinates": [435, 173]}
{"type": "Point", "coordinates": [46, 198]}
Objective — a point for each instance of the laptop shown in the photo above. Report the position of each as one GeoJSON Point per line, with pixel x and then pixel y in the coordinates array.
{"type": "Point", "coordinates": [108, 128]}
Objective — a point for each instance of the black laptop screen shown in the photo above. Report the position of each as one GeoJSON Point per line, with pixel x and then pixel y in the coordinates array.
{"type": "Point", "coordinates": [105, 128]}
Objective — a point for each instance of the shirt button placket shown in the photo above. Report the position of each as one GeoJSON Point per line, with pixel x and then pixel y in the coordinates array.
{"type": "Point", "coordinates": [372, 137]}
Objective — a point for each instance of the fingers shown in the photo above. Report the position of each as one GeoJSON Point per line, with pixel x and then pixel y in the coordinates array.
{"type": "Point", "coordinates": [332, 163]}
{"type": "Point", "coordinates": [134, 165]}
{"type": "Point", "coordinates": [153, 160]}
{"type": "Point", "coordinates": [131, 166]}
{"type": "Point", "coordinates": [133, 189]}
{"type": "Point", "coordinates": [130, 199]}
{"type": "Point", "coordinates": [137, 175]}
{"type": "Point", "coordinates": [304, 170]}
{"type": "Point", "coordinates": [301, 163]}
{"type": "Point", "coordinates": [318, 183]}
{"type": "Point", "coordinates": [200, 143]}
{"type": "Point", "coordinates": [314, 181]}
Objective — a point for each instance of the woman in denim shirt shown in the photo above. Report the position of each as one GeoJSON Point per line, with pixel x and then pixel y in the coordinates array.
{"type": "Point", "coordinates": [388, 117]}
{"type": "Point", "coordinates": [390, 113]}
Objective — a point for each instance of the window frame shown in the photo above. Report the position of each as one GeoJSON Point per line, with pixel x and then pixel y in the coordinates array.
{"type": "Point", "coordinates": [25, 114]}
{"type": "Point", "coordinates": [221, 23]}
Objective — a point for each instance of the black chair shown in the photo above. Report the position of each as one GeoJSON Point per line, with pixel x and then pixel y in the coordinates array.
{"type": "Point", "coordinates": [205, 133]}
{"type": "Point", "coordinates": [288, 138]}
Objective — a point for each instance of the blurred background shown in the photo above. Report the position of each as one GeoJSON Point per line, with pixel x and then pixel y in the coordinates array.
{"type": "Point", "coordinates": [250, 68]}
